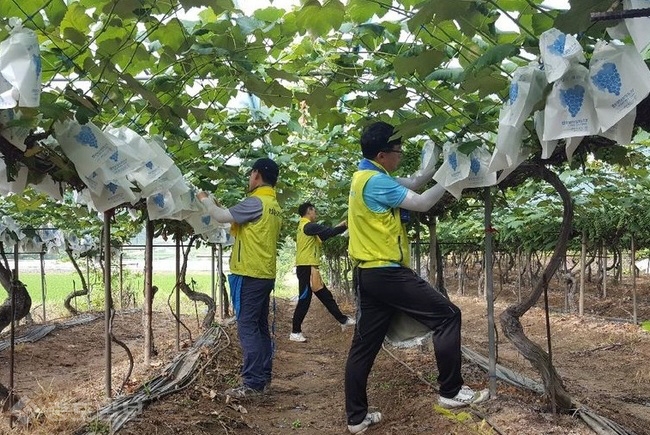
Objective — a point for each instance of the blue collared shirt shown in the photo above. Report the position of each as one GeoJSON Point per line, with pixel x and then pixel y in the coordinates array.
{"type": "Point", "coordinates": [382, 192]}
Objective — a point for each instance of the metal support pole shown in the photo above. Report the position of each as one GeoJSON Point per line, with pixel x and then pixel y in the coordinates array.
{"type": "Point", "coordinates": [107, 302]}
{"type": "Point", "coordinates": [222, 285]}
{"type": "Point", "coordinates": [178, 291]}
{"type": "Point", "coordinates": [213, 281]}
{"type": "Point", "coordinates": [43, 283]}
{"type": "Point", "coordinates": [417, 247]}
{"type": "Point", "coordinates": [12, 336]}
{"type": "Point", "coordinates": [583, 271]}
{"type": "Point", "coordinates": [121, 280]}
{"type": "Point", "coordinates": [148, 292]}
{"type": "Point", "coordinates": [633, 266]}
{"type": "Point", "coordinates": [620, 15]}
{"type": "Point", "coordinates": [87, 282]}
{"type": "Point", "coordinates": [489, 293]}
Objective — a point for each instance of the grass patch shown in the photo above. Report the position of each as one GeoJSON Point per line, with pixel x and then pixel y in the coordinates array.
{"type": "Point", "coordinates": [126, 294]}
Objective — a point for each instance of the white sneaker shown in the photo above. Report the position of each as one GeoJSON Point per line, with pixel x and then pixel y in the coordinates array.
{"type": "Point", "coordinates": [349, 322]}
{"type": "Point", "coordinates": [370, 419]}
{"type": "Point", "coordinates": [297, 336]}
{"type": "Point", "coordinates": [242, 392]}
{"type": "Point", "coordinates": [465, 397]}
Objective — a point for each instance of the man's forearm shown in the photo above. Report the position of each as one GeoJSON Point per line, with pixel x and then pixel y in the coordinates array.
{"type": "Point", "coordinates": [222, 215]}
{"type": "Point", "coordinates": [424, 201]}
{"type": "Point", "coordinates": [323, 231]}
{"type": "Point", "coordinates": [416, 180]}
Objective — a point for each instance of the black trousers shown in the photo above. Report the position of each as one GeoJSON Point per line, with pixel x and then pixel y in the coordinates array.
{"type": "Point", "coordinates": [381, 292]}
{"type": "Point", "coordinates": [304, 299]}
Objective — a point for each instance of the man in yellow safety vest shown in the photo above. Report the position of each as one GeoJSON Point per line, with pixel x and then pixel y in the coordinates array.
{"type": "Point", "coordinates": [256, 223]}
{"type": "Point", "coordinates": [385, 283]}
{"type": "Point", "coordinates": [309, 237]}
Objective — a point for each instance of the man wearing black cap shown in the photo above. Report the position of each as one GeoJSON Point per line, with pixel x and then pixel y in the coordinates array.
{"type": "Point", "coordinates": [256, 225]}
{"type": "Point", "coordinates": [386, 284]}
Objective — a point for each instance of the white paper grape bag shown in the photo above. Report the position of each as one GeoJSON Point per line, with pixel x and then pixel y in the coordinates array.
{"type": "Point", "coordinates": [202, 222]}
{"type": "Point", "coordinates": [50, 187]}
{"type": "Point", "coordinates": [185, 199]}
{"type": "Point", "coordinates": [137, 145]}
{"type": "Point", "coordinates": [8, 94]}
{"type": "Point", "coordinates": [621, 132]}
{"type": "Point", "coordinates": [523, 155]}
{"type": "Point", "coordinates": [455, 166]}
{"type": "Point", "coordinates": [221, 236]}
{"type": "Point", "coordinates": [428, 157]}
{"type": "Point", "coordinates": [559, 52]}
{"type": "Point", "coordinates": [153, 168]}
{"type": "Point", "coordinates": [571, 146]}
{"type": "Point", "coordinates": [508, 146]}
{"type": "Point", "coordinates": [619, 80]}
{"type": "Point", "coordinates": [569, 107]}
{"type": "Point", "coordinates": [133, 152]}
{"type": "Point", "coordinates": [164, 182]}
{"type": "Point", "coordinates": [126, 158]}
{"type": "Point", "coordinates": [111, 195]}
{"type": "Point", "coordinates": [160, 205]}
{"type": "Point", "coordinates": [526, 89]}
{"type": "Point", "coordinates": [85, 145]}
{"type": "Point", "coordinates": [639, 28]}
{"type": "Point", "coordinates": [479, 172]}
{"type": "Point", "coordinates": [460, 171]}
{"type": "Point", "coordinates": [31, 244]}
{"type": "Point", "coordinates": [17, 185]}
{"type": "Point", "coordinates": [20, 65]}
{"type": "Point", "coordinates": [16, 135]}
{"type": "Point", "coordinates": [548, 146]}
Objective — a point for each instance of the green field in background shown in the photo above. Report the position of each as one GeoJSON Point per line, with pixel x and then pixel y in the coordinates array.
{"type": "Point", "coordinates": [59, 285]}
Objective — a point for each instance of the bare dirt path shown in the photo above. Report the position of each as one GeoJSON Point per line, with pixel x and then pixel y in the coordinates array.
{"type": "Point", "coordinates": [307, 394]}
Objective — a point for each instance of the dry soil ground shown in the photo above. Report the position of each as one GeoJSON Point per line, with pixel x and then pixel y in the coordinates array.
{"type": "Point", "coordinates": [604, 364]}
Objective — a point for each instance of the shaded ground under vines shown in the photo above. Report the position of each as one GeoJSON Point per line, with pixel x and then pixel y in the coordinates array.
{"type": "Point", "coordinates": [603, 364]}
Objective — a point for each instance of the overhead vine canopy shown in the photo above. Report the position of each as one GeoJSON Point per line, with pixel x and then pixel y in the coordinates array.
{"type": "Point", "coordinates": [216, 83]}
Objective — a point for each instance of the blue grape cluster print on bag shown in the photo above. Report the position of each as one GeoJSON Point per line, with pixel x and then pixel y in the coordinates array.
{"type": "Point", "coordinates": [572, 99]}
{"type": "Point", "coordinates": [86, 137]}
{"type": "Point", "coordinates": [557, 47]}
{"type": "Point", "coordinates": [608, 79]}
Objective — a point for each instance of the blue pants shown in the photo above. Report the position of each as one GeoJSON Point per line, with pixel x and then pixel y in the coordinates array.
{"type": "Point", "coordinates": [251, 297]}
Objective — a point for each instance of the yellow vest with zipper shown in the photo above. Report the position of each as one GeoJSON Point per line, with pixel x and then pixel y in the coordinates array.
{"type": "Point", "coordinates": [255, 249]}
{"type": "Point", "coordinates": [377, 239]}
{"type": "Point", "coordinates": [308, 248]}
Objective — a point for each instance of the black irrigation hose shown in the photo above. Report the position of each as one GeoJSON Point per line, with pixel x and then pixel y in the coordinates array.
{"type": "Point", "coordinates": [35, 333]}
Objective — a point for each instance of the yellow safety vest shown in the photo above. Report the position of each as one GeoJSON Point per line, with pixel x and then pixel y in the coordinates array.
{"type": "Point", "coordinates": [255, 250]}
{"type": "Point", "coordinates": [308, 248]}
{"type": "Point", "coordinates": [377, 239]}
